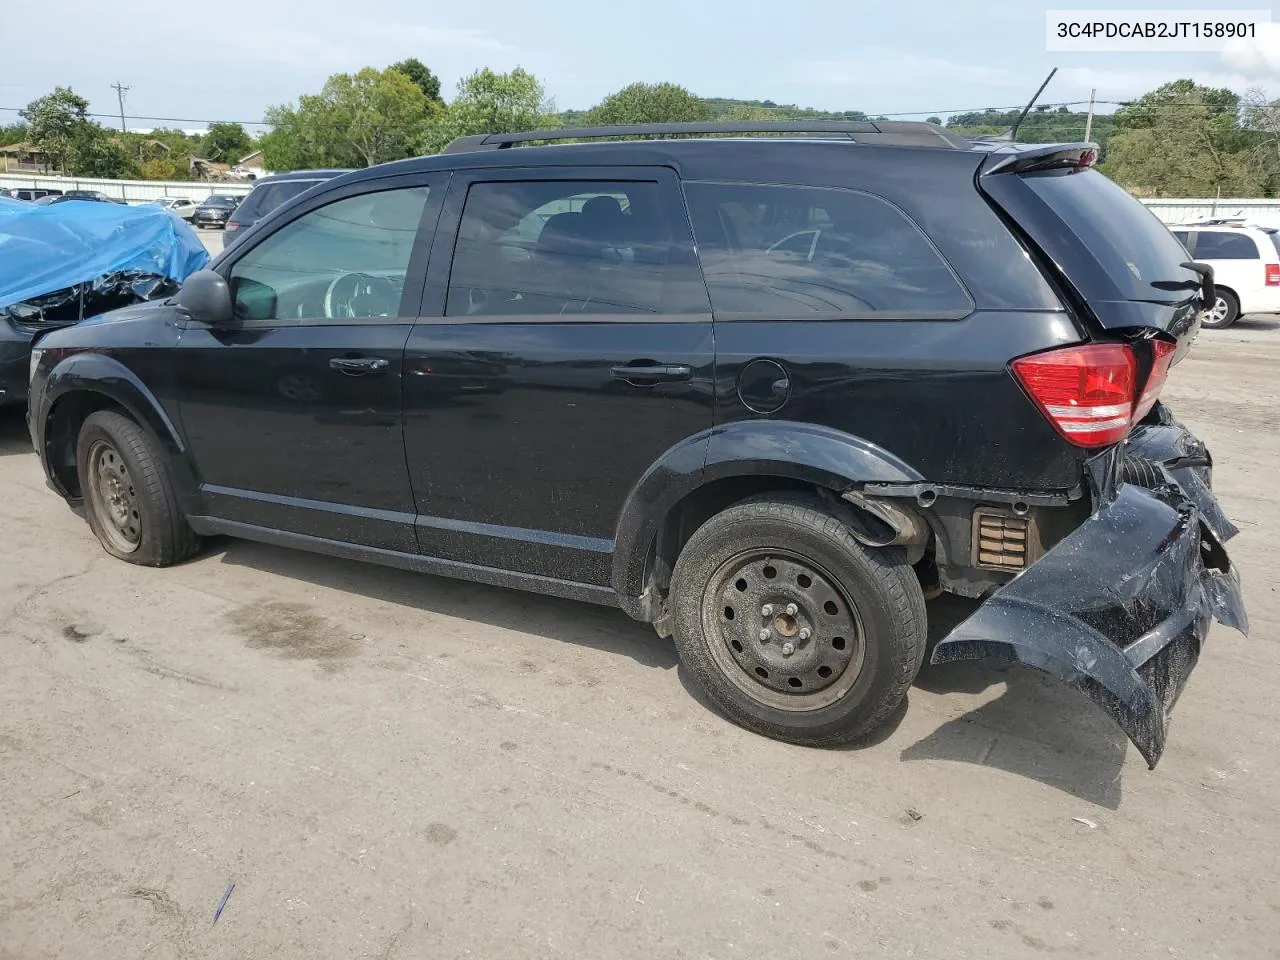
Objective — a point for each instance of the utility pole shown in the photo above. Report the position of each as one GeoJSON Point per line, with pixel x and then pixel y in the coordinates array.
{"type": "Point", "coordinates": [121, 90]}
{"type": "Point", "coordinates": [1088, 124]}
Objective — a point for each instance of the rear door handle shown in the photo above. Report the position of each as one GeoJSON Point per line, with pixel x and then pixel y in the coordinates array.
{"type": "Point", "coordinates": [648, 374]}
{"type": "Point", "coordinates": [359, 366]}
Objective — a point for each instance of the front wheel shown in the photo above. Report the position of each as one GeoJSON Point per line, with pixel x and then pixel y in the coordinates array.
{"type": "Point", "coordinates": [1224, 312]}
{"type": "Point", "coordinates": [793, 628]}
{"type": "Point", "coordinates": [129, 496]}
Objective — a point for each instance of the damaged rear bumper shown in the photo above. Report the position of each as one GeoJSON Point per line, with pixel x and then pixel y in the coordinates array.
{"type": "Point", "coordinates": [1119, 609]}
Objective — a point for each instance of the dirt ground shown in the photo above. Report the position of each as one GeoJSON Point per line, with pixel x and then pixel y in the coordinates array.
{"type": "Point", "coordinates": [391, 766]}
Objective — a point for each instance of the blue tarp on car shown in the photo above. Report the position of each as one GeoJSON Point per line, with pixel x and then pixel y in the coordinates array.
{"type": "Point", "coordinates": [46, 249]}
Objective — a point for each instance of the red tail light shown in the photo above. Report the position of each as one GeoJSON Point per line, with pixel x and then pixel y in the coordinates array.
{"type": "Point", "coordinates": [1087, 392]}
{"type": "Point", "coordinates": [1161, 359]}
{"type": "Point", "coordinates": [1273, 274]}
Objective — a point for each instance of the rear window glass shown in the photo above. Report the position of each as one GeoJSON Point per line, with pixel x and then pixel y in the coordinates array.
{"type": "Point", "coordinates": [1136, 250]}
{"type": "Point", "coordinates": [1220, 245]}
{"type": "Point", "coordinates": [799, 251]}
{"type": "Point", "coordinates": [271, 195]}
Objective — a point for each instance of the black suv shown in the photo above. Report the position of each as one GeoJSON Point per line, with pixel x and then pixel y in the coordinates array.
{"type": "Point", "coordinates": [766, 394]}
{"type": "Point", "coordinates": [214, 211]}
{"type": "Point", "coordinates": [269, 193]}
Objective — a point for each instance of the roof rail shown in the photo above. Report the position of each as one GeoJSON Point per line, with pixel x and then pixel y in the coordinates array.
{"type": "Point", "coordinates": [897, 133]}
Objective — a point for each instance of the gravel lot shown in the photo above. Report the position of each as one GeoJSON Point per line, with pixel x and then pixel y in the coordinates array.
{"type": "Point", "coordinates": [389, 765]}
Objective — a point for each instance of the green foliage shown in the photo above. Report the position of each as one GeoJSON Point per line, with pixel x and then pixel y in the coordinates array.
{"type": "Point", "coordinates": [1047, 125]}
{"type": "Point", "coordinates": [489, 102]}
{"type": "Point", "coordinates": [54, 122]}
{"type": "Point", "coordinates": [422, 77]}
{"type": "Point", "coordinates": [648, 103]}
{"type": "Point", "coordinates": [13, 133]}
{"type": "Point", "coordinates": [725, 108]}
{"type": "Point", "coordinates": [1183, 139]}
{"type": "Point", "coordinates": [95, 152]}
{"type": "Point", "coordinates": [937, 121]}
{"type": "Point", "coordinates": [226, 142]}
{"type": "Point", "coordinates": [357, 120]}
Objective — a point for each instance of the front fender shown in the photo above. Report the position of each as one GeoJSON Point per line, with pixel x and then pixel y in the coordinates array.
{"type": "Point", "coordinates": [97, 373]}
{"type": "Point", "coordinates": [748, 448]}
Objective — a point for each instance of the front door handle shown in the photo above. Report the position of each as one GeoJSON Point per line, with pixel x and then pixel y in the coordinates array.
{"type": "Point", "coordinates": [648, 374]}
{"type": "Point", "coordinates": [359, 366]}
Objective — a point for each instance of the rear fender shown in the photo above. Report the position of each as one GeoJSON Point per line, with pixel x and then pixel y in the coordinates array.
{"type": "Point", "coordinates": [812, 454]}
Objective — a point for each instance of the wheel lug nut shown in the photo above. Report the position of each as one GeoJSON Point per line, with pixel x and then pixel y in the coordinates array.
{"type": "Point", "coordinates": [766, 610]}
{"type": "Point", "coordinates": [791, 609]}
{"type": "Point", "coordinates": [764, 634]}
{"type": "Point", "coordinates": [788, 649]}
{"type": "Point", "coordinates": [804, 633]}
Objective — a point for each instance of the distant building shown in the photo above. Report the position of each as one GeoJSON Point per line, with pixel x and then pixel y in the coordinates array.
{"type": "Point", "coordinates": [251, 167]}
{"type": "Point", "coordinates": [22, 158]}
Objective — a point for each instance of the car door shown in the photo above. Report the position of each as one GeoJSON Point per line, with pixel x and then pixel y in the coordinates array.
{"type": "Point", "coordinates": [565, 343]}
{"type": "Point", "coordinates": [292, 413]}
{"type": "Point", "coordinates": [1236, 262]}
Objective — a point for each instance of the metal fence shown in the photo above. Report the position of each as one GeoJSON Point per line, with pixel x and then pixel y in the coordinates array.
{"type": "Point", "coordinates": [1180, 210]}
{"type": "Point", "coordinates": [132, 191]}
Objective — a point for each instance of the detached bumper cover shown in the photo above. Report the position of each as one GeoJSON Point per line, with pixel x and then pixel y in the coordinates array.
{"type": "Point", "coordinates": [1119, 609]}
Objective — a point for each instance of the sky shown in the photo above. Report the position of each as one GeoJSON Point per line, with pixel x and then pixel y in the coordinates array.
{"type": "Point", "coordinates": [195, 63]}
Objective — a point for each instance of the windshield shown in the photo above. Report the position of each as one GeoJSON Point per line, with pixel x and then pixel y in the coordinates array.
{"type": "Point", "coordinates": [1136, 250]}
{"type": "Point", "coordinates": [220, 202]}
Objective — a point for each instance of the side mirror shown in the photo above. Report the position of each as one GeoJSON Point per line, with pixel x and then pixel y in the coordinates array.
{"type": "Point", "coordinates": [206, 298]}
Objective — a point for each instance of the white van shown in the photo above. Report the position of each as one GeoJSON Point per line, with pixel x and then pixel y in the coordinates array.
{"type": "Point", "coordinates": [1246, 266]}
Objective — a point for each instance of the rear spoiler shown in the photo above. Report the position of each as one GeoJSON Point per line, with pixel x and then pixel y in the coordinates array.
{"type": "Point", "coordinates": [1053, 156]}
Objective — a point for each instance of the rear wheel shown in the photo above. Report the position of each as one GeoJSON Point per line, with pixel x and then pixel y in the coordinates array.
{"type": "Point", "coordinates": [794, 629]}
{"type": "Point", "coordinates": [1224, 312]}
{"type": "Point", "coordinates": [129, 497]}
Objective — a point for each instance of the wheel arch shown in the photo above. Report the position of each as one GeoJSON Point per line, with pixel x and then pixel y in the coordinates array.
{"type": "Point", "coordinates": [707, 473]}
{"type": "Point", "coordinates": [82, 385]}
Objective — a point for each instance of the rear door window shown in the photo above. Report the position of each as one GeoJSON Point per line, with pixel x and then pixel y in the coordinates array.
{"type": "Point", "coordinates": [1221, 245]}
{"type": "Point", "coordinates": [1139, 254]}
{"type": "Point", "coordinates": [802, 251]}
{"type": "Point", "coordinates": [572, 247]}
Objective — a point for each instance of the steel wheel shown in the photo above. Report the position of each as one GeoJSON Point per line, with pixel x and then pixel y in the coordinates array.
{"type": "Point", "coordinates": [782, 631]}
{"type": "Point", "coordinates": [113, 498]}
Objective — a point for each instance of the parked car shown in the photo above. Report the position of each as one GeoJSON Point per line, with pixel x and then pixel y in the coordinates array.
{"type": "Point", "coordinates": [63, 264]}
{"type": "Point", "coordinates": [1246, 266]}
{"type": "Point", "coordinates": [214, 211]}
{"type": "Point", "coordinates": [32, 194]}
{"type": "Point", "coordinates": [182, 206]}
{"type": "Point", "coordinates": [770, 452]}
{"type": "Point", "coordinates": [269, 193]}
{"type": "Point", "coordinates": [95, 195]}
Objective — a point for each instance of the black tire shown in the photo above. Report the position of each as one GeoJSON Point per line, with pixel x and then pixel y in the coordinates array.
{"type": "Point", "coordinates": [1227, 308]}
{"type": "Point", "coordinates": [146, 500]}
{"type": "Point", "coordinates": [878, 585]}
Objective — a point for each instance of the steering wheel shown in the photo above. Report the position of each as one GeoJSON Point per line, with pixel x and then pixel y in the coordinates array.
{"type": "Point", "coordinates": [359, 295]}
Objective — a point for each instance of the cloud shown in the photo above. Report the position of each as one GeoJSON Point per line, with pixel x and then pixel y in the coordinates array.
{"type": "Point", "coordinates": [884, 67]}
{"type": "Point", "coordinates": [1074, 83]}
{"type": "Point", "coordinates": [1257, 58]}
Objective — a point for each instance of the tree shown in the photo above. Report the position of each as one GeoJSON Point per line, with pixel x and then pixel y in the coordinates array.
{"type": "Point", "coordinates": [937, 121]}
{"type": "Point", "coordinates": [648, 103]}
{"type": "Point", "coordinates": [357, 120]}
{"type": "Point", "coordinates": [96, 152]}
{"type": "Point", "coordinates": [489, 102]}
{"type": "Point", "coordinates": [227, 142]}
{"type": "Point", "coordinates": [13, 133]}
{"type": "Point", "coordinates": [53, 123]}
{"type": "Point", "coordinates": [1181, 139]}
{"type": "Point", "coordinates": [422, 77]}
